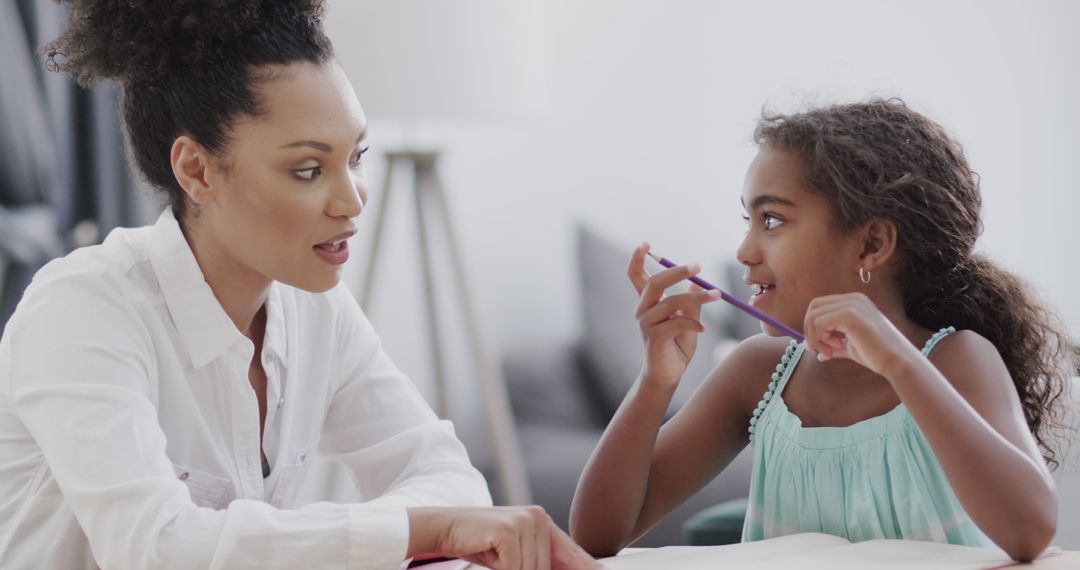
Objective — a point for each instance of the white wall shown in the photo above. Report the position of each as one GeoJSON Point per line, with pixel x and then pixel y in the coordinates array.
{"type": "Point", "coordinates": [652, 107]}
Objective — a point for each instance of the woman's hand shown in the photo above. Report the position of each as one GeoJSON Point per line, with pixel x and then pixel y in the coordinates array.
{"type": "Point", "coordinates": [851, 326]}
{"type": "Point", "coordinates": [669, 325]}
{"type": "Point", "coordinates": [500, 538]}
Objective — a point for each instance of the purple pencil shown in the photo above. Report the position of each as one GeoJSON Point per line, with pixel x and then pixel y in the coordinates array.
{"type": "Point", "coordinates": [735, 301]}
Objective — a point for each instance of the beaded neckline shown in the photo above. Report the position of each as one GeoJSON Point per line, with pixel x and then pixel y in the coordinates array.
{"type": "Point", "coordinates": [785, 362]}
{"type": "Point", "coordinates": [773, 382]}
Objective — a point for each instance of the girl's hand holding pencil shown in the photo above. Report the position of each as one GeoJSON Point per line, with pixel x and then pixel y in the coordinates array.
{"type": "Point", "coordinates": [669, 325]}
{"type": "Point", "coordinates": [739, 303]}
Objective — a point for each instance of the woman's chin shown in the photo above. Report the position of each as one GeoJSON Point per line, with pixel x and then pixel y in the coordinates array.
{"type": "Point", "coordinates": [314, 283]}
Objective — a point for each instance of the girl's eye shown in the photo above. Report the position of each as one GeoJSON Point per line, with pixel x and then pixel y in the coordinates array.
{"type": "Point", "coordinates": [355, 161]}
{"type": "Point", "coordinates": [772, 222]}
{"type": "Point", "coordinates": [308, 173]}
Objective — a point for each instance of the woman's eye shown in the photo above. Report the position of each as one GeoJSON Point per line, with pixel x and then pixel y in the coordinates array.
{"type": "Point", "coordinates": [308, 173]}
{"type": "Point", "coordinates": [355, 161]}
{"type": "Point", "coordinates": [746, 219]}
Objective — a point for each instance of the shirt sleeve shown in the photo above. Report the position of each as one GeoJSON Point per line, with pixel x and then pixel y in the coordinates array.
{"type": "Point", "coordinates": [378, 425]}
{"type": "Point", "coordinates": [81, 381]}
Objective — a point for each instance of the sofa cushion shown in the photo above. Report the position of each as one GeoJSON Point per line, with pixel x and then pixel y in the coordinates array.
{"type": "Point", "coordinates": [546, 386]}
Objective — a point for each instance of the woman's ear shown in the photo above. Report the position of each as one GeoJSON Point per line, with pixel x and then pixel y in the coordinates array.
{"type": "Point", "coordinates": [879, 243]}
{"type": "Point", "coordinates": [191, 167]}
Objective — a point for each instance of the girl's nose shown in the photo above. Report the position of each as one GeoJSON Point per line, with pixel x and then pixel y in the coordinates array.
{"type": "Point", "coordinates": [748, 254]}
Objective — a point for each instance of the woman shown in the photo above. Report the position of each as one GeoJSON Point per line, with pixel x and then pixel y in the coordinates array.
{"type": "Point", "coordinates": [161, 394]}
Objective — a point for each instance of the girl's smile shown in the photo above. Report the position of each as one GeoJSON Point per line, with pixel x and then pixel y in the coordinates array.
{"type": "Point", "coordinates": [763, 291]}
{"type": "Point", "coordinates": [792, 252]}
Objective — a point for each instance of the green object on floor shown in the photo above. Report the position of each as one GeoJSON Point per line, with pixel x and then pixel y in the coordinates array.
{"type": "Point", "coordinates": [718, 524]}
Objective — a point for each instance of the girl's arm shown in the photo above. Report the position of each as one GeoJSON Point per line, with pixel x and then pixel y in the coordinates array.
{"type": "Point", "coordinates": [965, 404]}
{"type": "Point", "coordinates": [639, 471]}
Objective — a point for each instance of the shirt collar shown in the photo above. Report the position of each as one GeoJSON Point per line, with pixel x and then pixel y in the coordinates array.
{"type": "Point", "coordinates": [275, 341]}
{"type": "Point", "coordinates": [204, 327]}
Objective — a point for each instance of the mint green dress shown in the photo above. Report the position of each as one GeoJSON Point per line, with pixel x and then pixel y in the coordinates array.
{"type": "Point", "coordinates": [874, 479]}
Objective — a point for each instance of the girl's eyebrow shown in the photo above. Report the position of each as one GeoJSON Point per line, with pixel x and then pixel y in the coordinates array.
{"type": "Point", "coordinates": [763, 199]}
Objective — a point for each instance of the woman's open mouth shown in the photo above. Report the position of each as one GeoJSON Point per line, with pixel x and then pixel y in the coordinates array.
{"type": "Point", "coordinates": [333, 252]}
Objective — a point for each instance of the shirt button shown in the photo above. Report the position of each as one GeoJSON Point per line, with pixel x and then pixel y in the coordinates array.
{"type": "Point", "coordinates": [184, 476]}
{"type": "Point", "coordinates": [281, 402]}
{"type": "Point", "coordinates": [303, 456]}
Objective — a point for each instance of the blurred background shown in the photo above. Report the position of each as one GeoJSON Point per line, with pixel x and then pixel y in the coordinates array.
{"type": "Point", "coordinates": [566, 133]}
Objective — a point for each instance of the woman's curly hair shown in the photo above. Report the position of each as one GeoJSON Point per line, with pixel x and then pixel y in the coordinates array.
{"type": "Point", "coordinates": [881, 160]}
{"type": "Point", "coordinates": [184, 67]}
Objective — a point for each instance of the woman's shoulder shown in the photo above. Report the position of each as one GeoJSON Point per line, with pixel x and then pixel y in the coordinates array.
{"type": "Point", "coordinates": [111, 261]}
{"type": "Point", "coordinates": [89, 276]}
{"type": "Point", "coordinates": [82, 304]}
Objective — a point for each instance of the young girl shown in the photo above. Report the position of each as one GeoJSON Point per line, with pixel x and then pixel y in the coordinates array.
{"type": "Point", "coordinates": [161, 394]}
{"type": "Point", "coordinates": [926, 385]}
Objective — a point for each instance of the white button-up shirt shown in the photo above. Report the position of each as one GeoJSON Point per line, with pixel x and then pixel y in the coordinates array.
{"type": "Point", "coordinates": [129, 431]}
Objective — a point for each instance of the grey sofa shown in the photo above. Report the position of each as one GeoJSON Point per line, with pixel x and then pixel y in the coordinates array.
{"type": "Point", "coordinates": [563, 395]}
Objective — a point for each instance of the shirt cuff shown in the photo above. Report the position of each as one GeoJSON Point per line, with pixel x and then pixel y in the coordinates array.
{"type": "Point", "coordinates": [378, 536]}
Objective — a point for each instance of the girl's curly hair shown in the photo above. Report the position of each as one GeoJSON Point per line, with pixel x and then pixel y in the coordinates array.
{"type": "Point", "coordinates": [184, 67]}
{"type": "Point", "coordinates": [881, 160]}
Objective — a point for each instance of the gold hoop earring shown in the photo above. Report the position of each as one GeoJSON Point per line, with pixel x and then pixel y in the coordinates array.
{"type": "Point", "coordinates": [864, 275]}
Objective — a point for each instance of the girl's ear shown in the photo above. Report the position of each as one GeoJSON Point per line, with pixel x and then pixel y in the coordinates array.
{"type": "Point", "coordinates": [191, 167]}
{"type": "Point", "coordinates": [879, 243]}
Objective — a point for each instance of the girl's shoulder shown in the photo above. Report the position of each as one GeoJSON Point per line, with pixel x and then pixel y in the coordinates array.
{"type": "Point", "coordinates": [761, 349]}
{"type": "Point", "coordinates": [747, 368]}
{"type": "Point", "coordinates": [962, 344]}
{"type": "Point", "coordinates": [969, 361]}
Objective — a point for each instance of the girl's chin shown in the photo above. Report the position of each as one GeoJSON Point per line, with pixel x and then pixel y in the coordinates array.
{"type": "Point", "coordinates": [772, 331]}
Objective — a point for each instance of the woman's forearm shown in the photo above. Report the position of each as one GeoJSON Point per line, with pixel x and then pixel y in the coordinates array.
{"type": "Point", "coordinates": [1008, 493]}
{"type": "Point", "coordinates": [613, 486]}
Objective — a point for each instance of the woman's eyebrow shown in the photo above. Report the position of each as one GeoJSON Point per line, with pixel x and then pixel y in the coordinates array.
{"type": "Point", "coordinates": [313, 144]}
{"type": "Point", "coordinates": [321, 145]}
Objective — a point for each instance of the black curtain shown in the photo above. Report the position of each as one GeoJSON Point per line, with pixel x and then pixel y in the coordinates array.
{"type": "Point", "coordinates": [64, 176]}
